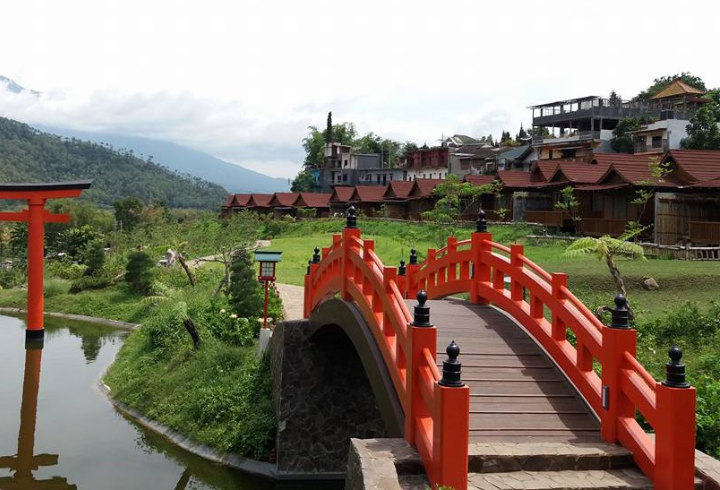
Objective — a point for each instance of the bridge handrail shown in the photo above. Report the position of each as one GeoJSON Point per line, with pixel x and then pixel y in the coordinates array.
{"type": "Point", "coordinates": [480, 267]}
{"type": "Point", "coordinates": [624, 385]}
{"type": "Point", "coordinates": [352, 268]}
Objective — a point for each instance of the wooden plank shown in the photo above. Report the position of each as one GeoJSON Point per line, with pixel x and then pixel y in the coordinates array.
{"type": "Point", "coordinates": [516, 391]}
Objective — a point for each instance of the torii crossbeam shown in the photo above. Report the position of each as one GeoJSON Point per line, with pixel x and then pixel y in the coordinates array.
{"type": "Point", "coordinates": [36, 216]}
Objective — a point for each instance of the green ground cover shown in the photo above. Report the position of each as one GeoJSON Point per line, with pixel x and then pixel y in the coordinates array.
{"type": "Point", "coordinates": [682, 312]}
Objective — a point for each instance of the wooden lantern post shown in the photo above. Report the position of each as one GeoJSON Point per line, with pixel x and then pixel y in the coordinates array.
{"type": "Point", "coordinates": [268, 261]}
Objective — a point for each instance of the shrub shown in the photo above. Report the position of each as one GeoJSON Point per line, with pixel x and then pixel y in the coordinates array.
{"type": "Point", "coordinates": [224, 325]}
{"type": "Point", "coordinates": [55, 287]}
{"type": "Point", "coordinates": [138, 272]}
{"type": "Point", "coordinates": [65, 269]}
{"type": "Point", "coordinates": [89, 282]}
{"type": "Point", "coordinates": [686, 322]}
{"type": "Point", "coordinates": [246, 296]}
{"type": "Point", "coordinates": [93, 256]}
{"type": "Point", "coordinates": [165, 330]}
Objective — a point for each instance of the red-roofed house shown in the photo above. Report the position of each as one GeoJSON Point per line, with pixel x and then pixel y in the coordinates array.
{"type": "Point", "coordinates": [260, 203]}
{"type": "Point", "coordinates": [421, 197]}
{"type": "Point", "coordinates": [234, 203]}
{"type": "Point", "coordinates": [396, 198]}
{"type": "Point", "coordinates": [283, 204]}
{"type": "Point", "coordinates": [340, 199]}
{"type": "Point", "coordinates": [319, 201]}
{"type": "Point", "coordinates": [368, 199]}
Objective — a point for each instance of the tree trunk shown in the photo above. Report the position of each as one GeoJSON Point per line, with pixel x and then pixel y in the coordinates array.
{"type": "Point", "coordinates": [190, 327]}
{"type": "Point", "coordinates": [619, 283]}
{"type": "Point", "coordinates": [190, 275]}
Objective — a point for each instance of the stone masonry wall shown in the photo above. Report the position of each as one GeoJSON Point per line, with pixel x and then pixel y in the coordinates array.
{"type": "Point", "coordinates": [321, 397]}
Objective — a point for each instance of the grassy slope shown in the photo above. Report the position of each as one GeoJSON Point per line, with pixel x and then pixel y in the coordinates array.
{"type": "Point", "coordinates": [589, 279]}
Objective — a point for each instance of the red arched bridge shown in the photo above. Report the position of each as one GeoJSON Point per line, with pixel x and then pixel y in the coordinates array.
{"type": "Point", "coordinates": [564, 376]}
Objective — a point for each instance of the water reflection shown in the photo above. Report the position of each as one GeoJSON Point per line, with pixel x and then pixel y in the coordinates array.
{"type": "Point", "coordinates": [26, 461]}
{"type": "Point", "coordinates": [101, 448]}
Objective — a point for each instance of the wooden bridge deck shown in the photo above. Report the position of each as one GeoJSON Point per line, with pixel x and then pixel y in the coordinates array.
{"type": "Point", "coordinates": [516, 392]}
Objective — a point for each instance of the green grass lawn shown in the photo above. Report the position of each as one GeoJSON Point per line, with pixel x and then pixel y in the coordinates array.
{"type": "Point", "coordinates": [680, 281]}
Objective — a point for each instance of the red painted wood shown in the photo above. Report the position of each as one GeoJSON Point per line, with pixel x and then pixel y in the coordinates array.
{"type": "Point", "coordinates": [439, 420]}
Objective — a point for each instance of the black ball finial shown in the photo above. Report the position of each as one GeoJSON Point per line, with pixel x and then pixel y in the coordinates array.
{"type": "Point", "coordinates": [422, 312]}
{"type": "Point", "coordinates": [452, 367]}
{"type": "Point", "coordinates": [413, 256]}
{"type": "Point", "coordinates": [675, 354]}
{"type": "Point", "coordinates": [481, 223]}
{"type": "Point", "coordinates": [675, 370]}
{"type": "Point", "coordinates": [351, 221]}
{"type": "Point", "coordinates": [402, 269]}
{"type": "Point", "coordinates": [620, 301]}
{"type": "Point", "coordinates": [316, 256]}
{"type": "Point", "coordinates": [308, 267]}
{"type": "Point", "coordinates": [620, 315]}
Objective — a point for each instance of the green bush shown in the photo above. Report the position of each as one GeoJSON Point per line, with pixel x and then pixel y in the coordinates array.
{"type": "Point", "coordinates": [217, 319]}
{"type": "Point", "coordinates": [93, 256]}
{"type": "Point", "coordinates": [138, 272]}
{"type": "Point", "coordinates": [9, 278]}
{"type": "Point", "coordinates": [708, 415]}
{"type": "Point", "coordinates": [55, 287]}
{"type": "Point", "coordinates": [89, 282]}
{"type": "Point", "coordinates": [65, 269]}
{"type": "Point", "coordinates": [686, 323]}
{"type": "Point", "coordinates": [165, 329]}
{"type": "Point", "coordinates": [246, 295]}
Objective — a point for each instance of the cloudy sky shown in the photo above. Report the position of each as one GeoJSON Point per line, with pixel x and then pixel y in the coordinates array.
{"type": "Point", "coordinates": [243, 79]}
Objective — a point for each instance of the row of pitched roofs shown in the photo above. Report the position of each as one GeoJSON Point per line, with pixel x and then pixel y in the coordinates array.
{"type": "Point", "coordinates": [680, 169]}
{"type": "Point", "coordinates": [395, 190]}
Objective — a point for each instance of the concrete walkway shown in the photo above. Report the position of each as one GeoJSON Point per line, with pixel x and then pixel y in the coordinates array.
{"type": "Point", "coordinates": [292, 298]}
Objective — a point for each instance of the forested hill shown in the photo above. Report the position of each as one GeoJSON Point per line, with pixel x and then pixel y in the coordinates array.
{"type": "Point", "coordinates": [28, 155]}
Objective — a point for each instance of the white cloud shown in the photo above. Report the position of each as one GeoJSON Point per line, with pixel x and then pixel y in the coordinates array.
{"type": "Point", "coordinates": [243, 80]}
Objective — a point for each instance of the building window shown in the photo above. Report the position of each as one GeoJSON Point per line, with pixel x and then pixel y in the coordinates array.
{"type": "Point", "coordinates": [344, 177]}
{"type": "Point", "coordinates": [596, 203]}
{"type": "Point", "coordinates": [656, 142]}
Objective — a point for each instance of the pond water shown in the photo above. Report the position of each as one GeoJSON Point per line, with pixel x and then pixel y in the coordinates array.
{"type": "Point", "coordinates": [58, 431]}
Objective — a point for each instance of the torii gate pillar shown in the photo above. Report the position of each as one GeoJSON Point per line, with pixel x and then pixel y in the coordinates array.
{"type": "Point", "coordinates": [36, 216]}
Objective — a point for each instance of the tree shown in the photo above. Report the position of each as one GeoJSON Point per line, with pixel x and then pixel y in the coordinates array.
{"type": "Point", "coordinates": [659, 84]}
{"type": "Point", "coordinates": [703, 131]}
{"type": "Point", "coordinates": [93, 256]}
{"type": "Point", "coordinates": [607, 248]}
{"type": "Point", "coordinates": [622, 141]}
{"type": "Point", "coordinates": [127, 212]}
{"type": "Point", "coordinates": [73, 241]}
{"type": "Point", "coordinates": [246, 296]}
{"type": "Point", "coordinates": [522, 134]}
{"type": "Point", "coordinates": [454, 197]}
{"type": "Point", "coordinates": [303, 182]}
{"type": "Point", "coordinates": [138, 272]}
{"type": "Point", "coordinates": [569, 204]}
{"type": "Point", "coordinates": [614, 100]}
{"type": "Point", "coordinates": [314, 142]}
{"type": "Point", "coordinates": [408, 147]}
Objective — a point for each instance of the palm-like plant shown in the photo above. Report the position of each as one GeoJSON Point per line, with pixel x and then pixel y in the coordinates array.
{"type": "Point", "coordinates": [607, 248]}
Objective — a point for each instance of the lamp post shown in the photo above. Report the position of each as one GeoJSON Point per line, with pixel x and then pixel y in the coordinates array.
{"type": "Point", "coordinates": [267, 260]}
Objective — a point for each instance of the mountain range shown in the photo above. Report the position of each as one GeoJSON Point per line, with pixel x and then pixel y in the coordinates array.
{"type": "Point", "coordinates": [234, 178]}
{"type": "Point", "coordinates": [29, 155]}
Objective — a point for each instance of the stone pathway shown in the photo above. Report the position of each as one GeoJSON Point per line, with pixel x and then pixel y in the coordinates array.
{"type": "Point", "coordinates": [292, 298]}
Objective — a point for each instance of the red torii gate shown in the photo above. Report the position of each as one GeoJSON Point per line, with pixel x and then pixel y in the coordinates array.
{"type": "Point", "coordinates": [36, 216]}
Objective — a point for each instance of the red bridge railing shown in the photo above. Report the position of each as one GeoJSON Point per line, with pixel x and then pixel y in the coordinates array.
{"type": "Point", "coordinates": [437, 416]}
